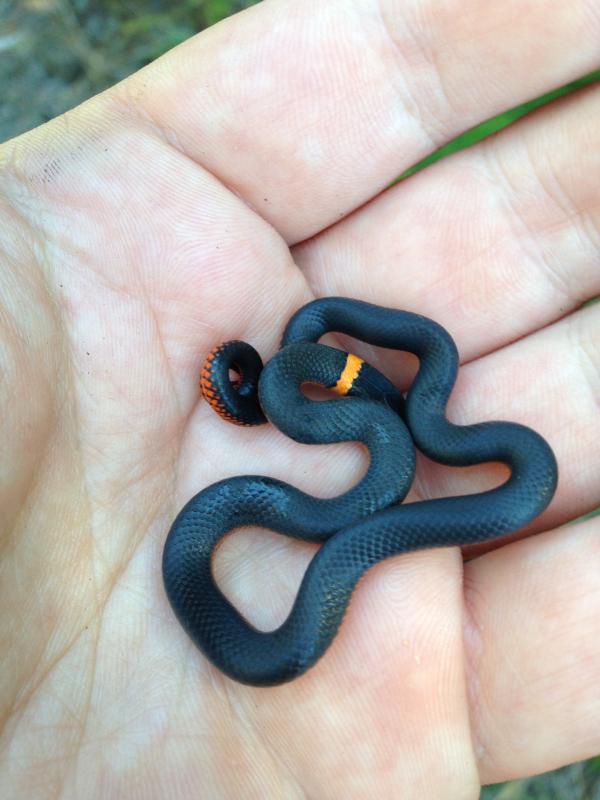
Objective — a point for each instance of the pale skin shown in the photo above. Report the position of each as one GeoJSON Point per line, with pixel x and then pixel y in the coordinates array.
{"type": "Point", "coordinates": [206, 198]}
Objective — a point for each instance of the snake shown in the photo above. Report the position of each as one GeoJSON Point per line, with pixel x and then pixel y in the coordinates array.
{"type": "Point", "coordinates": [369, 522]}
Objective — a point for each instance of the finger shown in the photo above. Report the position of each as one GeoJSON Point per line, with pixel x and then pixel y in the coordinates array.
{"type": "Point", "coordinates": [534, 653]}
{"type": "Point", "coordinates": [308, 110]}
{"type": "Point", "coordinates": [551, 382]}
{"type": "Point", "coordinates": [493, 243]}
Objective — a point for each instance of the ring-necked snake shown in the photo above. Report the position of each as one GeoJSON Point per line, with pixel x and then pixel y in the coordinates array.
{"type": "Point", "coordinates": [366, 524]}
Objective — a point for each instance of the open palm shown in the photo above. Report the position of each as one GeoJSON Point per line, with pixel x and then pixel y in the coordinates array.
{"type": "Point", "coordinates": [206, 198]}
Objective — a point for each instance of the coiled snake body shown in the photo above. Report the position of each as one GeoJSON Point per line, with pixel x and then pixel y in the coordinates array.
{"type": "Point", "coordinates": [366, 524]}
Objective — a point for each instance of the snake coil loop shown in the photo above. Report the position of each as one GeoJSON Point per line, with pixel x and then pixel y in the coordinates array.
{"type": "Point", "coordinates": [364, 525]}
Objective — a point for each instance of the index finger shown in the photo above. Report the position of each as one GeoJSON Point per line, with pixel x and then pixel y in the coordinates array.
{"type": "Point", "coordinates": [309, 109]}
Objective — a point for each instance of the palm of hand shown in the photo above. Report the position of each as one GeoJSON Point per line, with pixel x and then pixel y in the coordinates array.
{"type": "Point", "coordinates": [126, 262]}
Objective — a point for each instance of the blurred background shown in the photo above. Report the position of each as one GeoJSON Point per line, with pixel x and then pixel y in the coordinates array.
{"type": "Point", "coordinates": [56, 53]}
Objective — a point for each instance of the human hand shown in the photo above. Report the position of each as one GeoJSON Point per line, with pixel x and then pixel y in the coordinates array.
{"type": "Point", "coordinates": [206, 198]}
